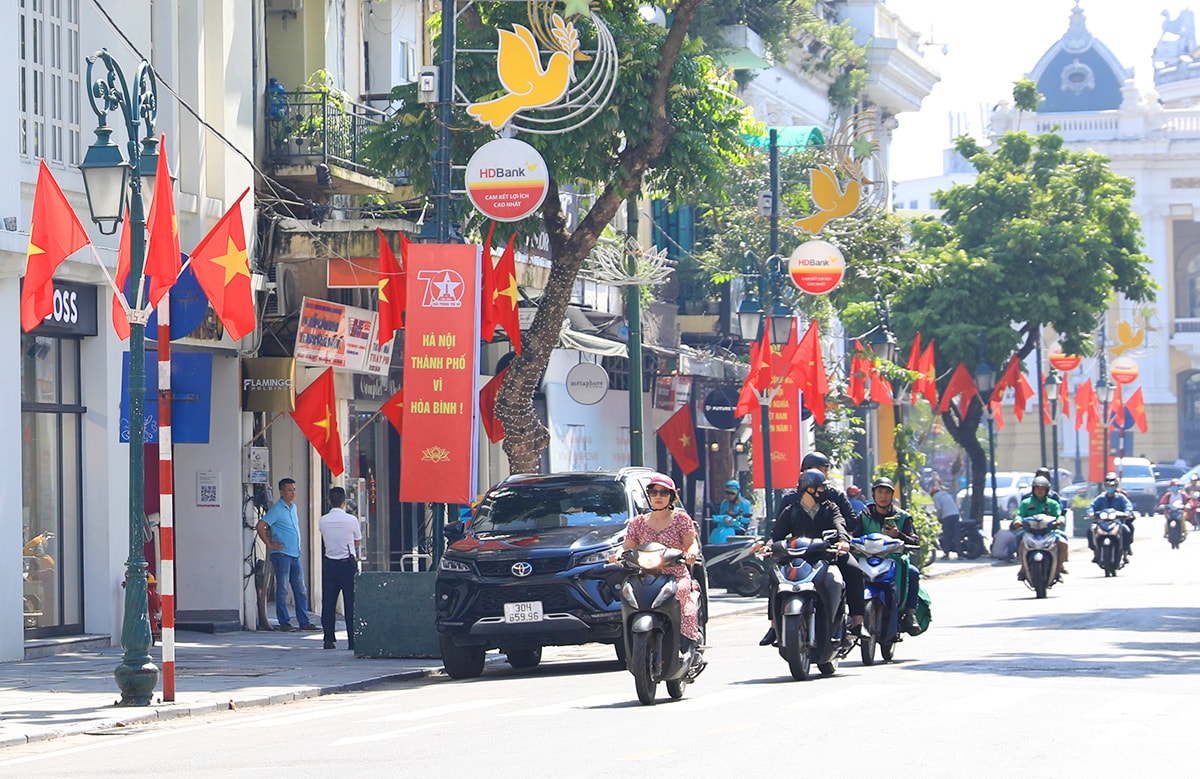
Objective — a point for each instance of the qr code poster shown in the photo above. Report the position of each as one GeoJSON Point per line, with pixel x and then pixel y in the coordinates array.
{"type": "Point", "coordinates": [208, 488]}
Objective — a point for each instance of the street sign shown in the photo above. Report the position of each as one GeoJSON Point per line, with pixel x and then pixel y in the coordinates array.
{"type": "Point", "coordinates": [816, 267]}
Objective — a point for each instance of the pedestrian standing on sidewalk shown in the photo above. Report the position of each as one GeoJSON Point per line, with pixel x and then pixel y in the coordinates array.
{"type": "Point", "coordinates": [279, 529]}
{"type": "Point", "coordinates": [948, 516]}
{"type": "Point", "coordinates": [342, 536]}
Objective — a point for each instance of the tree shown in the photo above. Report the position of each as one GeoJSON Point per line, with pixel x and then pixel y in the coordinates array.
{"type": "Point", "coordinates": [673, 125]}
{"type": "Point", "coordinates": [1044, 236]}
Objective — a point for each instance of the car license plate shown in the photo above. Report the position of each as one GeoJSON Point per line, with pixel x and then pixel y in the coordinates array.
{"type": "Point", "coordinates": [524, 611]}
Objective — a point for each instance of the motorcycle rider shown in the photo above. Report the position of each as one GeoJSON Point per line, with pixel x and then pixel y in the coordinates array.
{"type": "Point", "coordinates": [809, 515]}
{"type": "Point", "coordinates": [733, 515]}
{"type": "Point", "coordinates": [670, 526]}
{"type": "Point", "coordinates": [856, 503]}
{"type": "Point", "coordinates": [818, 460]}
{"type": "Point", "coordinates": [1113, 498]}
{"type": "Point", "coordinates": [1053, 494]}
{"type": "Point", "coordinates": [1040, 502]}
{"type": "Point", "coordinates": [1174, 492]}
{"type": "Point", "coordinates": [883, 516]}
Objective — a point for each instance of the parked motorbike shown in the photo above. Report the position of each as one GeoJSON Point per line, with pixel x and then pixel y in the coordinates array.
{"type": "Point", "coordinates": [1176, 531]}
{"type": "Point", "coordinates": [1039, 550]}
{"type": "Point", "coordinates": [971, 543]}
{"type": "Point", "coordinates": [881, 619]}
{"type": "Point", "coordinates": [651, 617]}
{"type": "Point", "coordinates": [1109, 541]}
{"type": "Point", "coordinates": [809, 609]}
{"type": "Point", "coordinates": [735, 566]}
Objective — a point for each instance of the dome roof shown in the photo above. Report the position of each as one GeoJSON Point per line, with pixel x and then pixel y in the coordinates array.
{"type": "Point", "coordinates": [1079, 73]}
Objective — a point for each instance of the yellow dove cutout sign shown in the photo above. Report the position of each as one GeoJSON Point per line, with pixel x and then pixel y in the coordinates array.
{"type": "Point", "coordinates": [528, 83]}
{"type": "Point", "coordinates": [833, 201]}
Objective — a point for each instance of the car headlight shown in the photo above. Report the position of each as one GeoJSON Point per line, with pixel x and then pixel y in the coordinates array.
{"type": "Point", "coordinates": [456, 566]}
{"type": "Point", "coordinates": [599, 556]}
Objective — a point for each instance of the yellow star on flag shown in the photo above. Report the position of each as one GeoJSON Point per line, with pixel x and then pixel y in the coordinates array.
{"type": "Point", "coordinates": [233, 261]}
{"type": "Point", "coordinates": [685, 439]}
{"type": "Point", "coordinates": [383, 283]}
{"type": "Point", "coordinates": [509, 292]}
{"type": "Point", "coordinates": [325, 423]}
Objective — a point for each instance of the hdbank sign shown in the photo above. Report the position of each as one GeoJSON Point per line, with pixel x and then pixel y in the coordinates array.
{"type": "Point", "coordinates": [507, 180]}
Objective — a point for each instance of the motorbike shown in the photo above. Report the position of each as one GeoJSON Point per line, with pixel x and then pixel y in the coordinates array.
{"type": "Point", "coordinates": [881, 619]}
{"type": "Point", "coordinates": [1039, 550]}
{"type": "Point", "coordinates": [725, 527]}
{"type": "Point", "coordinates": [809, 608]}
{"type": "Point", "coordinates": [1176, 531]}
{"type": "Point", "coordinates": [651, 617]}
{"type": "Point", "coordinates": [736, 566]}
{"type": "Point", "coordinates": [971, 543]}
{"type": "Point", "coordinates": [1109, 540]}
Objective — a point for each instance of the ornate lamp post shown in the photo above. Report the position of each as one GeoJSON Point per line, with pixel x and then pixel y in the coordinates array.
{"type": "Point", "coordinates": [105, 176]}
{"type": "Point", "coordinates": [1104, 393]}
{"type": "Point", "coordinates": [985, 382]}
{"type": "Point", "coordinates": [884, 345]}
{"type": "Point", "coordinates": [1051, 385]}
{"type": "Point", "coordinates": [751, 320]}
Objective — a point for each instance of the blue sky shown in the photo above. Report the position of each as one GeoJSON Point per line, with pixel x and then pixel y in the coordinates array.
{"type": "Point", "coordinates": [991, 46]}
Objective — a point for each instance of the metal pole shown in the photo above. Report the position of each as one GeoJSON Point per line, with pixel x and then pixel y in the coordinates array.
{"type": "Point", "coordinates": [633, 318]}
{"type": "Point", "coordinates": [1104, 405]}
{"type": "Point", "coordinates": [1041, 397]}
{"type": "Point", "coordinates": [897, 436]}
{"type": "Point", "coordinates": [774, 149]}
{"type": "Point", "coordinates": [441, 156]}
{"type": "Point", "coordinates": [992, 457]}
{"type": "Point", "coordinates": [166, 500]}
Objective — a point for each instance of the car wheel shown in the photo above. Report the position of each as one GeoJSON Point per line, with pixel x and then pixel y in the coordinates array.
{"type": "Point", "coordinates": [461, 662]}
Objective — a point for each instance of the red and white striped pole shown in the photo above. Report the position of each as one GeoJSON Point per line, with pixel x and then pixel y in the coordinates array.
{"type": "Point", "coordinates": [166, 489]}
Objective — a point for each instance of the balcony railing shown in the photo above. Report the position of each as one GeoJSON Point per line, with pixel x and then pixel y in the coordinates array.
{"type": "Point", "coordinates": [310, 127]}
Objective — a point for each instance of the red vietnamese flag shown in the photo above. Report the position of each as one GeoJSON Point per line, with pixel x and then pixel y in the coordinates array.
{"type": "Point", "coordinates": [1023, 392]}
{"type": "Point", "coordinates": [163, 264]}
{"type": "Point", "coordinates": [505, 295]}
{"type": "Point", "coordinates": [316, 416]}
{"type": "Point", "coordinates": [54, 234]}
{"type": "Point", "coordinates": [859, 372]}
{"type": "Point", "coordinates": [222, 267]}
{"type": "Point", "coordinates": [806, 367]}
{"type": "Point", "coordinates": [1085, 405]}
{"type": "Point", "coordinates": [487, 406]}
{"type": "Point", "coordinates": [914, 364]}
{"type": "Point", "coordinates": [928, 380]}
{"type": "Point", "coordinates": [748, 397]}
{"type": "Point", "coordinates": [120, 318]}
{"type": "Point", "coordinates": [679, 435]}
{"type": "Point", "coordinates": [1136, 406]}
{"type": "Point", "coordinates": [392, 291]}
{"type": "Point", "coordinates": [961, 384]}
{"type": "Point", "coordinates": [761, 375]}
{"type": "Point", "coordinates": [393, 409]}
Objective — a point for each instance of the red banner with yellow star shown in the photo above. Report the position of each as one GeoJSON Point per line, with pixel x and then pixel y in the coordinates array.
{"type": "Point", "coordinates": [441, 356]}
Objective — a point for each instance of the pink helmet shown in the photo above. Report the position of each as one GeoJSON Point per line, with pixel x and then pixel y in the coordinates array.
{"type": "Point", "coordinates": [662, 480]}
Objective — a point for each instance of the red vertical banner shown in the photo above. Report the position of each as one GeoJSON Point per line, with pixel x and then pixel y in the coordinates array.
{"type": "Point", "coordinates": [1096, 450]}
{"type": "Point", "coordinates": [441, 355]}
{"type": "Point", "coordinates": [785, 439]}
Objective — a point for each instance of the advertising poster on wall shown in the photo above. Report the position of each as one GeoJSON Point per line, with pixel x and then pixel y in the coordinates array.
{"type": "Point", "coordinates": [441, 355]}
{"type": "Point", "coordinates": [341, 336]}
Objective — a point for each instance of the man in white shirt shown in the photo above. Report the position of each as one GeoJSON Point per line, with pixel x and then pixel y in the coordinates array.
{"type": "Point", "coordinates": [341, 536]}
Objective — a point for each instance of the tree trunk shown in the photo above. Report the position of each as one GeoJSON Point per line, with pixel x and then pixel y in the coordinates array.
{"type": "Point", "coordinates": [964, 431]}
{"type": "Point", "coordinates": [524, 434]}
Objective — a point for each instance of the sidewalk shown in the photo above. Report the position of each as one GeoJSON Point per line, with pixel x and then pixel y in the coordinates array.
{"type": "Point", "coordinates": [72, 693]}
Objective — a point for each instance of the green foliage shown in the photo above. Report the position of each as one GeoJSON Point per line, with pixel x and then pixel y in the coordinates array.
{"type": "Point", "coordinates": [702, 108]}
{"type": "Point", "coordinates": [837, 436]}
{"type": "Point", "coordinates": [928, 529]}
{"type": "Point", "coordinates": [1025, 95]}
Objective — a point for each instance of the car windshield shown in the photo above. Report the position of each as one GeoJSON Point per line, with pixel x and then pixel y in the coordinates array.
{"type": "Point", "coordinates": [1136, 471]}
{"type": "Point", "coordinates": [526, 507]}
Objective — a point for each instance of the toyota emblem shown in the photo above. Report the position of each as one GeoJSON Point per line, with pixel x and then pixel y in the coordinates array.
{"type": "Point", "coordinates": [522, 569]}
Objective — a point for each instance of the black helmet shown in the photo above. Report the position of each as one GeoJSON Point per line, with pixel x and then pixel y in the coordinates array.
{"type": "Point", "coordinates": [1041, 481]}
{"type": "Point", "coordinates": [883, 481]}
{"type": "Point", "coordinates": [1110, 478]}
{"type": "Point", "coordinates": [814, 460]}
{"type": "Point", "coordinates": [1043, 471]}
{"type": "Point", "coordinates": [811, 479]}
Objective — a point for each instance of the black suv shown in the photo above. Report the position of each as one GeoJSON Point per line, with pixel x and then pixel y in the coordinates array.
{"type": "Point", "coordinates": [531, 570]}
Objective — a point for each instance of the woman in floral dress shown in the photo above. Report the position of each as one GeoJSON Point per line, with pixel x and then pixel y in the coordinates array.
{"type": "Point", "coordinates": [672, 527]}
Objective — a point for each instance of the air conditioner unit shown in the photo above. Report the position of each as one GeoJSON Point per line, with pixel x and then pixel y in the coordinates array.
{"type": "Point", "coordinates": [283, 292]}
{"type": "Point", "coordinates": [284, 6]}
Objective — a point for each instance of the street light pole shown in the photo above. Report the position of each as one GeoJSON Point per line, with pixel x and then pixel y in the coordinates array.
{"type": "Point", "coordinates": [985, 383]}
{"type": "Point", "coordinates": [102, 167]}
{"type": "Point", "coordinates": [1051, 385]}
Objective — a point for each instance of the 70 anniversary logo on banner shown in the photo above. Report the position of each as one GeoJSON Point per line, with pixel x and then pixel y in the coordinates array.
{"type": "Point", "coordinates": [441, 352]}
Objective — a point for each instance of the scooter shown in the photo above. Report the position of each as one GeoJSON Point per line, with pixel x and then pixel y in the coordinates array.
{"type": "Point", "coordinates": [651, 617]}
{"type": "Point", "coordinates": [1039, 550]}
{"type": "Point", "coordinates": [809, 608]}
{"type": "Point", "coordinates": [735, 566]}
{"type": "Point", "coordinates": [1108, 540]}
{"type": "Point", "coordinates": [881, 618]}
{"type": "Point", "coordinates": [1176, 530]}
